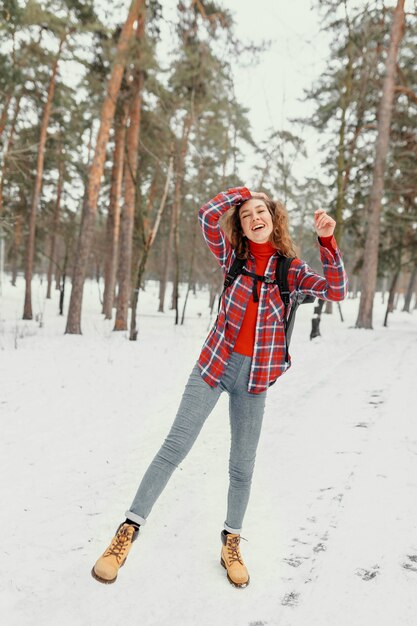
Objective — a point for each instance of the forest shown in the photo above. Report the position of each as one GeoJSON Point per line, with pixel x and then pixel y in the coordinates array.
{"type": "Point", "coordinates": [118, 121]}
{"type": "Point", "coordinates": [111, 137]}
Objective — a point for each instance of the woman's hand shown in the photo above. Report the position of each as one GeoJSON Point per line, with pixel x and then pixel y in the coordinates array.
{"type": "Point", "coordinates": [323, 223]}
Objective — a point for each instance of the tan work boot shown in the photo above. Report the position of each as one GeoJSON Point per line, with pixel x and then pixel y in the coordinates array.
{"type": "Point", "coordinates": [108, 565]}
{"type": "Point", "coordinates": [232, 561]}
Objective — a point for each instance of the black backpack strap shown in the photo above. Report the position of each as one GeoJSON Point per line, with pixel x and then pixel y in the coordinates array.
{"type": "Point", "coordinates": [281, 275]}
{"type": "Point", "coordinates": [256, 278]}
{"type": "Point", "coordinates": [234, 271]}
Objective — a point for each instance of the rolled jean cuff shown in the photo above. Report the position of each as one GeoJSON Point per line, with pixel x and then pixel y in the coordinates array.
{"type": "Point", "coordinates": [134, 517]}
{"type": "Point", "coordinates": [234, 531]}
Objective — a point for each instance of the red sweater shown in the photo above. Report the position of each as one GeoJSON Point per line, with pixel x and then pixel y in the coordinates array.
{"type": "Point", "coordinates": [262, 253]}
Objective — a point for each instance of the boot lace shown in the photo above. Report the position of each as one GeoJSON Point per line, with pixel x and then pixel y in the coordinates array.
{"type": "Point", "coordinates": [120, 543]}
{"type": "Point", "coordinates": [234, 550]}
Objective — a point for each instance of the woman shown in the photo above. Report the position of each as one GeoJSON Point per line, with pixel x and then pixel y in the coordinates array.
{"type": "Point", "coordinates": [243, 355]}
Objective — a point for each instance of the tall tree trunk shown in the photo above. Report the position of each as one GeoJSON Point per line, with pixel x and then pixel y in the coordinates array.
{"type": "Point", "coordinates": [370, 264]}
{"type": "Point", "coordinates": [145, 212]}
{"type": "Point", "coordinates": [167, 258]}
{"type": "Point", "coordinates": [177, 209]}
{"type": "Point", "coordinates": [17, 240]}
{"type": "Point", "coordinates": [128, 211]}
{"type": "Point", "coordinates": [96, 171]}
{"type": "Point", "coordinates": [150, 238]}
{"type": "Point", "coordinates": [341, 164]}
{"type": "Point", "coordinates": [55, 224]}
{"type": "Point", "coordinates": [2, 175]}
{"type": "Point", "coordinates": [5, 110]}
{"type": "Point", "coordinates": [370, 58]}
{"type": "Point", "coordinates": [190, 273]}
{"type": "Point", "coordinates": [30, 250]}
{"type": "Point", "coordinates": [7, 152]}
{"type": "Point", "coordinates": [410, 290]}
{"type": "Point", "coordinates": [57, 273]}
{"type": "Point", "coordinates": [113, 219]}
{"type": "Point", "coordinates": [62, 281]}
{"type": "Point", "coordinates": [391, 297]}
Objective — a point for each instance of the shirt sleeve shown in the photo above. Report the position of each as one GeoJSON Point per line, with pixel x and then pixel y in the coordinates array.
{"type": "Point", "coordinates": [209, 216]}
{"type": "Point", "coordinates": [328, 242]}
{"type": "Point", "coordinates": [332, 286]}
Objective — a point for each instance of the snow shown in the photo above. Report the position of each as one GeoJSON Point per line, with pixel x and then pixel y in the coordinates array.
{"type": "Point", "coordinates": [331, 523]}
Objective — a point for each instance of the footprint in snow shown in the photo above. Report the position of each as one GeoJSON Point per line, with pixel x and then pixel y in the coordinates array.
{"type": "Point", "coordinates": [294, 561]}
{"type": "Point", "coordinates": [320, 547]}
{"type": "Point", "coordinates": [376, 398]}
{"type": "Point", "coordinates": [291, 599]}
{"type": "Point", "coordinates": [368, 574]}
{"type": "Point", "coordinates": [411, 564]}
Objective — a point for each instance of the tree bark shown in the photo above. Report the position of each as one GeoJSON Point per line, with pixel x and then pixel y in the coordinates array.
{"type": "Point", "coordinates": [370, 265]}
{"type": "Point", "coordinates": [144, 216]}
{"type": "Point", "coordinates": [3, 118]}
{"type": "Point", "coordinates": [190, 273]}
{"type": "Point", "coordinates": [128, 211]}
{"type": "Point", "coordinates": [391, 297]}
{"type": "Point", "coordinates": [2, 176]}
{"type": "Point", "coordinates": [341, 164]}
{"type": "Point", "coordinates": [55, 224]}
{"type": "Point", "coordinates": [368, 58]}
{"type": "Point", "coordinates": [113, 219]}
{"type": "Point", "coordinates": [30, 250]}
{"type": "Point", "coordinates": [177, 209]}
{"type": "Point", "coordinates": [410, 290]}
{"type": "Point", "coordinates": [8, 150]}
{"type": "Point", "coordinates": [167, 257]}
{"type": "Point", "coordinates": [62, 282]}
{"type": "Point", "coordinates": [150, 238]}
{"type": "Point", "coordinates": [96, 171]}
{"type": "Point", "coordinates": [17, 240]}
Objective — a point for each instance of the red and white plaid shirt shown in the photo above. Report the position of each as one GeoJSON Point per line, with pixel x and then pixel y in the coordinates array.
{"type": "Point", "coordinates": [268, 361]}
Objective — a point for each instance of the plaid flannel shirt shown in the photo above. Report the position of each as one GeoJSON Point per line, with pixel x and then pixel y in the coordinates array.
{"type": "Point", "coordinates": [268, 361]}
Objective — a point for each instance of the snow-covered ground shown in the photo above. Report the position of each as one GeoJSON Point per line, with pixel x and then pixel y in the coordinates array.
{"type": "Point", "coordinates": [332, 520]}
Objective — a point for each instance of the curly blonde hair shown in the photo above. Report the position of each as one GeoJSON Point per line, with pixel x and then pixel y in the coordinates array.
{"type": "Point", "coordinates": [280, 237]}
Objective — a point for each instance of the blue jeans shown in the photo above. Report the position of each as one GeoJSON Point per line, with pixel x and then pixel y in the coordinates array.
{"type": "Point", "coordinates": [246, 413]}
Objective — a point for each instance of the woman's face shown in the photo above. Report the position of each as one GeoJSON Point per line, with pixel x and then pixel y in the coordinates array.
{"type": "Point", "coordinates": [256, 220]}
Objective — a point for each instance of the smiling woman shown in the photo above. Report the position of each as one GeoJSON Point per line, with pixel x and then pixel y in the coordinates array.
{"type": "Point", "coordinates": [256, 220]}
{"type": "Point", "coordinates": [259, 219]}
{"type": "Point", "coordinates": [243, 355]}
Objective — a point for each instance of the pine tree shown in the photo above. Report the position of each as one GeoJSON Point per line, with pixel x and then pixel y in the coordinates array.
{"type": "Point", "coordinates": [369, 271]}
{"type": "Point", "coordinates": [90, 207]}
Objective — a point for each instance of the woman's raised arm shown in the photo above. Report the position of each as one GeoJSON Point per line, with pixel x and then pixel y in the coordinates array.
{"type": "Point", "coordinates": [209, 216]}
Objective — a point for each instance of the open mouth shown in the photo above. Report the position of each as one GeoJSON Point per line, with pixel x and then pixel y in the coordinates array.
{"type": "Point", "coordinates": [258, 227]}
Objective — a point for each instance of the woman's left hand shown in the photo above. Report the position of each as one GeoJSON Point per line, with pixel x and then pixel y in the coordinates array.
{"type": "Point", "coordinates": [323, 223]}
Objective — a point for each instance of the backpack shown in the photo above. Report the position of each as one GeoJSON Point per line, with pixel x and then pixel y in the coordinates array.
{"type": "Point", "coordinates": [281, 279]}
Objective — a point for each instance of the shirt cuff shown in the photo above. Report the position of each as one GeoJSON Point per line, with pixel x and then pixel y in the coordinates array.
{"type": "Point", "coordinates": [243, 191]}
{"type": "Point", "coordinates": [328, 242]}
